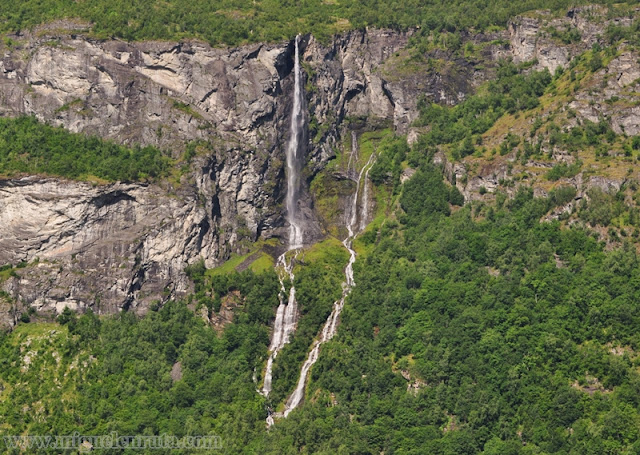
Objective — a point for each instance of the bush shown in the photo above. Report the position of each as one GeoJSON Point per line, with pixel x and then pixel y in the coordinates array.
{"type": "Point", "coordinates": [563, 171]}
{"type": "Point", "coordinates": [455, 196]}
{"type": "Point", "coordinates": [66, 316]}
{"type": "Point", "coordinates": [562, 195]}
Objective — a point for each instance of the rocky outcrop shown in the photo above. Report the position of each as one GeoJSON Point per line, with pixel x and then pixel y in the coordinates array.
{"type": "Point", "coordinates": [346, 75]}
{"type": "Point", "coordinates": [529, 43]}
{"type": "Point", "coordinates": [539, 38]}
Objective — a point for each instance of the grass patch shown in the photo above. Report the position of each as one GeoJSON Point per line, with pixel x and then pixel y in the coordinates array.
{"type": "Point", "coordinates": [330, 252]}
{"type": "Point", "coordinates": [36, 332]}
{"type": "Point", "coordinates": [186, 108]}
{"type": "Point", "coordinates": [262, 264]}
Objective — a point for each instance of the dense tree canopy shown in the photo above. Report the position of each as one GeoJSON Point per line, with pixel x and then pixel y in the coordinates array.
{"type": "Point", "coordinates": [474, 330]}
{"type": "Point", "coordinates": [239, 21]}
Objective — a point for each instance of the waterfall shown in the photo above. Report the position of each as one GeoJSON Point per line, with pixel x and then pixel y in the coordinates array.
{"type": "Point", "coordinates": [286, 319]}
{"type": "Point", "coordinates": [294, 158]}
{"type": "Point", "coordinates": [287, 312]}
{"type": "Point", "coordinates": [364, 216]}
{"type": "Point", "coordinates": [331, 325]}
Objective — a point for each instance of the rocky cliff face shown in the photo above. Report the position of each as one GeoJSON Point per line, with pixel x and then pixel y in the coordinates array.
{"type": "Point", "coordinates": [112, 246]}
{"type": "Point", "coordinates": [540, 38]}
{"type": "Point", "coordinates": [125, 245]}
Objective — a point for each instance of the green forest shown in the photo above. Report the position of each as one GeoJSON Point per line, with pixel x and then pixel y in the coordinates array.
{"type": "Point", "coordinates": [28, 146]}
{"type": "Point", "coordinates": [236, 22]}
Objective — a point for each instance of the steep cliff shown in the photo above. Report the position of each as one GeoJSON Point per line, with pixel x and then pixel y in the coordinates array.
{"type": "Point", "coordinates": [125, 245]}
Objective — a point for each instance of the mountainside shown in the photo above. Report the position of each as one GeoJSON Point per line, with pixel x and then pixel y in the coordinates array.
{"type": "Point", "coordinates": [221, 114]}
{"type": "Point", "coordinates": [467, 198]}
{"type": "Point", "coordinates": [235, 102]}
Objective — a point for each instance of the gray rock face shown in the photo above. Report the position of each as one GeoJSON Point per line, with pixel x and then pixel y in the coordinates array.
{"type": "Point", "coordinates": [347, 76]}
{"type": "Point", "coordinates": [532, 39]}
{"type": "Point", "coordinates": [125, 245]}
{"type": "Point", "coordinates": [111, 247]}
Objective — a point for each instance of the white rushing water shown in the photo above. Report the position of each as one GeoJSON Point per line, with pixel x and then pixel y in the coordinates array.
{"type": "Point", "coordinates": [286, 320]}
{"type": "Point", "coordinates": [293, 158]}
{"type": "Point", "coordinates": [287, 312]}
{"type": "Point", "coordinates": [331, 325]}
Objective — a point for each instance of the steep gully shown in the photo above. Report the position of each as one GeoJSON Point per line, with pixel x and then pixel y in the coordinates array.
{"type": "Point", "coordinates": [287, 313]}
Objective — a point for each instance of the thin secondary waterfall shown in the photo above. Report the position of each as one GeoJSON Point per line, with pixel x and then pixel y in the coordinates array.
{"type": "Point", "coordinates": [353, 157]}
{"type": "Point", "coordinates": [364, 216]}
{"type": "Point", "coordinates": [287, 313]}
{"type": "Point", "coordinates": [331, 325]}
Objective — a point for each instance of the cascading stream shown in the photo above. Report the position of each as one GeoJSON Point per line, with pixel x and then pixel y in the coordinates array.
{"type": "Point", "coordinates": [285, 322]}
{"type": "Point", "coordinates": [331, 325]}
{"type": "Point", "coordinates": [287, 312]}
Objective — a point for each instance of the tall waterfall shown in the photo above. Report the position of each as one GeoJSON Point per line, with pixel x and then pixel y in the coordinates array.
{"type": "Point", "coordinates": [287, 313]}
{"type": "Point", "coordinates": [331, 325]}
{"type": "Point", "coordinates": [294, 157]}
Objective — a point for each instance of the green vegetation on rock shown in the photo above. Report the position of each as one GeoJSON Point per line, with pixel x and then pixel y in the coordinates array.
{"type": "Point", "coordinates": [30, 147]}
{"type": "Point", "coordinates": [511, 92]}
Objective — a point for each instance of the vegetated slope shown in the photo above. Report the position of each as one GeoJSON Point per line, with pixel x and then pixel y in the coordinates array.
{"type": "Point", "coordinates": [30, 147]}
{"type": "Point", "coordinates": [484, 329]}
{"type": "Point", "coordinates": [471, 330]}
{"type": "Point", "coordinates": [572, 135]}
{"type": "Point", "coordinates": [233, 22]}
